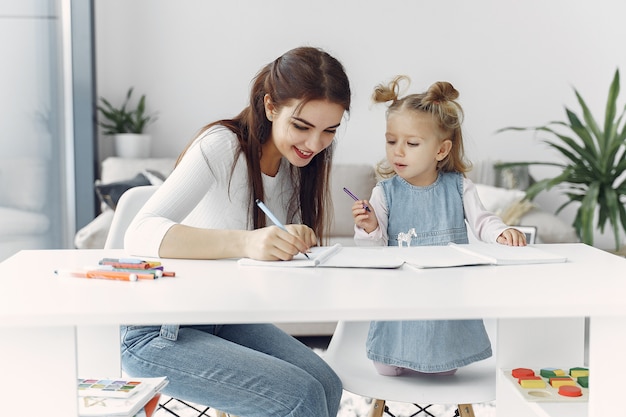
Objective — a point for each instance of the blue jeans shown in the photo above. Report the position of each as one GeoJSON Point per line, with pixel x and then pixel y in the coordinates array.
{"type": "Point", "coordinates": [249, 370]}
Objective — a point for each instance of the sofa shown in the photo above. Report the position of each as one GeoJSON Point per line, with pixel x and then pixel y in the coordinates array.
{"type": "Point", "coordinates": [119, 174]}
{"type": "Point", "coordinates": [23, 219]}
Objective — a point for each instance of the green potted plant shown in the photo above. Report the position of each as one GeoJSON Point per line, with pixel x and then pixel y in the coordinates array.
{"type": "Point", "coordinates": [592, 174]}
{"type": "Point", "coordinates": [127, 126]}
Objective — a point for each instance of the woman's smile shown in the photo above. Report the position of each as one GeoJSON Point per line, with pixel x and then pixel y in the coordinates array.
{"type": "Point", "coordinates": [303, 154]}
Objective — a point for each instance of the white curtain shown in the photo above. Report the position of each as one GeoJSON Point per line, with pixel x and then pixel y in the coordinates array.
{"type": "Point", "coordinates": [34, 175]}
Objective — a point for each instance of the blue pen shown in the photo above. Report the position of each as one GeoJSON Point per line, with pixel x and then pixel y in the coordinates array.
{"type": "Point", "coordinates": [273, 218]}
{"type": "Point", "coordinates": [355, 198]}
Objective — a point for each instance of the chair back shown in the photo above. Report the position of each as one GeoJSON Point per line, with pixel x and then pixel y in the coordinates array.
{"type": "Point", "coordinates": [127, 208]}
{"type": "Point", "coordinates": [472, 384]}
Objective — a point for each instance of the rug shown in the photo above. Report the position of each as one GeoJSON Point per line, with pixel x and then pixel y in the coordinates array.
{"type": "Point", "coordinates": [356, 406]}
{"type": "Point", "coordinates": [353, 405]}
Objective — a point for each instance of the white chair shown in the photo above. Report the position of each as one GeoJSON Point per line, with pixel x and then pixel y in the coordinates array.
{"type": "Point", "coordinates": [127, 208]}
{"type": "Point", "coordinates": [472, 384]}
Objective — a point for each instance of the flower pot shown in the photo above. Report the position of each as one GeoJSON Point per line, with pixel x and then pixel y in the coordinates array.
{"type": "Point", "coordinates": [132, 145]}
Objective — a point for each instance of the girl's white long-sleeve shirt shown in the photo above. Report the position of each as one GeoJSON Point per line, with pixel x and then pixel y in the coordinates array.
{"type": "Point", "coordinates": [205, 191]}
{"type": "Point", "coordinates": [485, 225]}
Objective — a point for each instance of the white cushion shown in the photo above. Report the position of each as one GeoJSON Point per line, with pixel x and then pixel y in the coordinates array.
{"type": "Point", "coordinates": [10, 245]}
{"type": "Point", "coordinates": [550, 228]}
{"type": "Point", "coordinates": [497, 199]}
{"type": "Point", "coordinates": [23, 183]}
{"type": "Point", "coordinates": [94, 234]}
{"type": "Point", "coordinates": [22, 222]}
{"type": "Point", "coordinates": [116, 169]}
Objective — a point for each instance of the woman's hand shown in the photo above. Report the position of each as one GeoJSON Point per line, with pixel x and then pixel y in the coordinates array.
{"type": "Point", "coordinates": [304, 232]}
{"type": "Point", "coordinates": [363, 218]}
{"type": "Point", "coordinates": [512, 237]}
{"type": "Point", "coordinates": [273, 243]}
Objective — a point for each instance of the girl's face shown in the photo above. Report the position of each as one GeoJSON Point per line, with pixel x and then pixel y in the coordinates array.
{"type": "Point", "coordinates": [299, 132]}
{"type": "Point", "coordinates": [415, 145]}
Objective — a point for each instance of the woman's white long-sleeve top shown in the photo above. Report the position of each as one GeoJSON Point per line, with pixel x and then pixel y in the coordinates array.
{"type": "Point", "coordinates": [205, 191]}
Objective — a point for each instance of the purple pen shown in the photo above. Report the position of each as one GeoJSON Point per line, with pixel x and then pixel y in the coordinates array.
{"type": "Point", "coordinates": [355, 198]}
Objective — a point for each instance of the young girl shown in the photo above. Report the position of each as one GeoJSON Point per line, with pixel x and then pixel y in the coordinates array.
{"type": "Point", "coordinates": [279, 150]}
{"type": "Point", "coordinates": [425, 189]}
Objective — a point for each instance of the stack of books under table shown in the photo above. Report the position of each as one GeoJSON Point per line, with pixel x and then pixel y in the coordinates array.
{"type": "Point", "coordinates": [119, 397]}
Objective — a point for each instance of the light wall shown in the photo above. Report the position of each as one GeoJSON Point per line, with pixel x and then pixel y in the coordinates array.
{"type": "Point", "coordinates": [514, 62]}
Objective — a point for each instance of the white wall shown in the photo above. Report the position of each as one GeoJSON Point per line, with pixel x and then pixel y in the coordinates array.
{"type": "Point", "coordinates": [514, 62]}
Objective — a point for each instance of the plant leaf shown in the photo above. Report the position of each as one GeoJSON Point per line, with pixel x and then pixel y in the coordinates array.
{"type": "Point", "coordinates": [595, 161]}
{"type": "Point", "coordinates": [591, 122]}
{"type": "Point", "coordinates": [586, 213]}
{"type": "Point", "coordinates": [611, 108]}
{"type": "Point", "coordinates": [124, 119]}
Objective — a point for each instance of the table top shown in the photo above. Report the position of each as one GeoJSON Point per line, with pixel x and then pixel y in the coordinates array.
{"type": "Point", "coordinates": [591, 282]}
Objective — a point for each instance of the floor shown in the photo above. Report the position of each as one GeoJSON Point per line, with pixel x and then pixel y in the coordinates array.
{"type": "Point", "coordinates": [356, 406]}
{"type": "Point", "coordinates": [351, 405]}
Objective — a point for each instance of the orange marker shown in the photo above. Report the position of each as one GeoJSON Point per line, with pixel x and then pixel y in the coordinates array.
{"type": "Point", "coordinates": [103, 274]}
{"type": "Point", "coordinates": [118, 275]}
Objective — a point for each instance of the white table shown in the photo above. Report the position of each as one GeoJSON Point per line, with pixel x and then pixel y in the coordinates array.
{"type": "Point", "coordinates": [44, 317]}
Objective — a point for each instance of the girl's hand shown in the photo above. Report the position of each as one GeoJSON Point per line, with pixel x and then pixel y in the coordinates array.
{"type": "Point", "coordinates": [273, 243]}
{"type": "Point", "coordinates": [363, 218]}
{"type": "Point", "coordinates": [512, 237]}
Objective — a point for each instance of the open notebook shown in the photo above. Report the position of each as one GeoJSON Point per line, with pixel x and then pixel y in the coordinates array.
{"type": "Point", "coordinates": [451, 255]}
{"type": "Point", "coordinates": [454, 254]}
{"type": "Point", "coordinates": [336, 256]}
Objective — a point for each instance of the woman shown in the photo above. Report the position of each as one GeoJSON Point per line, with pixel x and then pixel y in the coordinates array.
{"type": "Point", "coordinates": [278, 150]}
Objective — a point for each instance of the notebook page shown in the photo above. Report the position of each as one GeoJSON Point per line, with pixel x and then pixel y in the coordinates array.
{"type": "Point", "coordinates": [317, 255]}
{"type": "Point", "coordinates": [337, 256]}
{"type": "Point", "coordinates": [510, 255]}
{"type": "Point", "coordinates": [437, 257]}
{"type": "Point", "coordinates": [362, 257]}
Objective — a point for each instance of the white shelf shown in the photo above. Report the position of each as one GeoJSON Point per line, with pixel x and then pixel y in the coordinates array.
{"type": "Point", "coordinates": [561, 409]}
{"type": "Point", "coordinates": [536, 344]}
{"type": "Point", "coordinates": [509, 396]}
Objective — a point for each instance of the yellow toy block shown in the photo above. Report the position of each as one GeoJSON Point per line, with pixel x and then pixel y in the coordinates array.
{"type": "Point", "coordinates": [532, 383]}
{"type": "Point", "coordinates": [576, 372]}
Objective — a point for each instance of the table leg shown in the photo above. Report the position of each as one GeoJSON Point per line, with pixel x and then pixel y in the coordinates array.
{"type": "Point", "coordinates": [607, 346]}
{"type": "Point", "coordinates": [99, 351]}
{"type": "Point", "coordinates": [38, 371]}
{"type": "Point", "coordinates": [534, 343]}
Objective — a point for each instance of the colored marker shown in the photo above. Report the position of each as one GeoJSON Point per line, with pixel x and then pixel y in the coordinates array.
{"type": "Point", "coordinates": [123, 260]}
{"type": "Point", "coordinates": [105, 274]}
{"type": "Point", "coordinates": [129, 263]}
{"type": "Point", "coordinates": [158, 273]}
{"type": "Point", "coordinates": [273, 218]}
{"type": "Point", "coordinates": [355, 198]}
{"type": "Point", "coordinates": [125, 265]}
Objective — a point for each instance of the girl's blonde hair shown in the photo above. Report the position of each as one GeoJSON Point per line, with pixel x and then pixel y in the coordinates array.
{"type": "Point", "coordinates": [440, 102]}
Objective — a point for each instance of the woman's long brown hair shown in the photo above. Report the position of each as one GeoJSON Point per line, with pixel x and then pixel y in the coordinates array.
{"type": "Point", "coordinates": [302, 74]}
